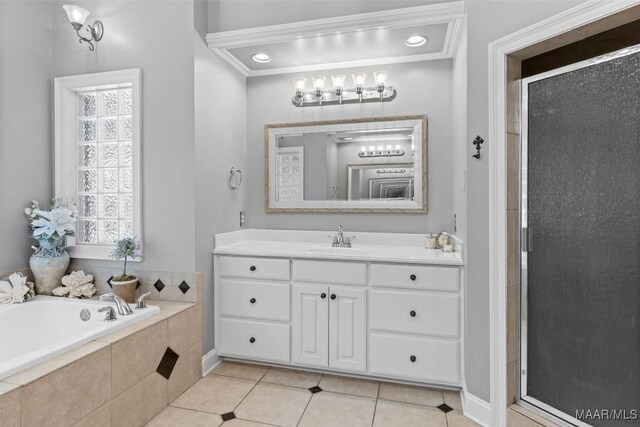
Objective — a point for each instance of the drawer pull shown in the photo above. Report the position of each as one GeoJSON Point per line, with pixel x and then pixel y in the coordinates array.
{"type": "Point", "coordinates": [252, 300]}
{"type": "Point", "coordinates": [412, 277]}
{"type": "Point", "coordinates": [333, 296]}
{"type": "Point", "coordinates": [412, 313]}
{"type": "Point", "coordinates": [323, 295]}
{"type": "Point", "coordinates": [252, 340]}
{"type": "Point", "coordinates": [412, 358]}
{"type": "Point", "coordinates": [252, 268]}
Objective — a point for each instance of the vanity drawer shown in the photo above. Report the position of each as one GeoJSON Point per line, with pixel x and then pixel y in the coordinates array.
{"type": "Point", "coordinates": [415, 276]}
{"type": "Point", "coordinates": [257, 268]}
{"type": "Point", "coordinates": [417, 312]}
{"type": "Point", "coordinates": [348, 273]}
{"type": "Point", "coordinates": [433, 359]}
{"type": "Point", "coordinates": [256, 340]}
{"type": "Point", "coordinates": [257, 300]}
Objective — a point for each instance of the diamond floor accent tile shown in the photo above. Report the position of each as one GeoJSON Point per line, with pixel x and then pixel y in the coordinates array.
{"type": "Point", "coordinates": [159, 285]}
{"type": "Point", "coordinates": [167, 363]}
{"type": "Point", "coordinates": [184, 287]}
{"type": "Point", "coordinates": [109, 281]}
{"type": "Point", "coordinates": [315, 389]}
{"type": "Point", "coordinates": [445, 408]}
{"type": "Point", "coordinates": [228, 416]}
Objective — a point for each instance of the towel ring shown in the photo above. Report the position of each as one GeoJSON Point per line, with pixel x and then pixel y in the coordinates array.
{"type": "Point", "coordinates": [232, 172]}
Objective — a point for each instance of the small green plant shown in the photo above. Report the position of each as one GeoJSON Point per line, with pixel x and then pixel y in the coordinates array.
{"type": "Point", "coordinates": [128, 247]}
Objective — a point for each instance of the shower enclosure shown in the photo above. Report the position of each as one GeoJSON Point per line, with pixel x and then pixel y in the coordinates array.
{"type": "Point", "coordinates": [580, 258]}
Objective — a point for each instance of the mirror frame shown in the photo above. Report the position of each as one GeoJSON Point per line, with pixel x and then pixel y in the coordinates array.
{"type": "Point", "coordinates": [345, 206]}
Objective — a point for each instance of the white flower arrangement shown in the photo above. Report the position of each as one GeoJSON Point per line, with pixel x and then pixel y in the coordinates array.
{"type": "Point", "coordinates": [16, 289]}
{"type": "Point", "coordinates": [76, 285]}
{"type": "Point", "coordinates": [53, 224]}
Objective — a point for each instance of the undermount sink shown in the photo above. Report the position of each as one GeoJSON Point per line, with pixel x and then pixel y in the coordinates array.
{"type": "Point", "coordinates": [333, 250]}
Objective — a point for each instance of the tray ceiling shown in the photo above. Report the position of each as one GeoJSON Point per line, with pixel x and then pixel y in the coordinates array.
{"type": "Point", "coordinates": [367, 39]}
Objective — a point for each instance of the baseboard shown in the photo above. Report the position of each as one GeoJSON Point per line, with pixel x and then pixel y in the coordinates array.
{"type": "Point", "coordinates": [210, 361]}
{"type": "Point", "coordinates": [476, 409]}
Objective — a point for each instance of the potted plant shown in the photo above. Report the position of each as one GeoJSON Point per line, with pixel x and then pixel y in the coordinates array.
{"type": "Point", "coordinates": [50, 227]}
{"type": "Point", "coordinates": [125, 285]}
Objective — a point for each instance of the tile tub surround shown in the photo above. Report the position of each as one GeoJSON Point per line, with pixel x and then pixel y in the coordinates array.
{"type": "Point", "coordinates": [240, 394]}
{"type": "Point", "coordinates": [122, 379]}
{"type": "Point", "coordinates": [163, 285]}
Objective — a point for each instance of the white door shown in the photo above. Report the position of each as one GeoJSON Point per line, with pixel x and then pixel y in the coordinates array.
{"type": "Point", "coordinates": [310, 325]}
{"type": "Point", "coordinates": [348, 328]}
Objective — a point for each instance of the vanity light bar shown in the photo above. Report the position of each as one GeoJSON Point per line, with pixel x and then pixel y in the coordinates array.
{"type": "Point", "coordinates": [390, 170]}
{"type": "Point", "coordinates": [341, 95]}
{"type": "Point", "coordinates": [381, 152]}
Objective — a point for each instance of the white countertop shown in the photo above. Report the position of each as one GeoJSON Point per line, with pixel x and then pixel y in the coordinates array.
{"type": "Point", "coordinates": [400, 248]}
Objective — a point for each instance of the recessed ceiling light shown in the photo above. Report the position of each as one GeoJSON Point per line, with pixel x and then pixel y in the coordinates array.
{"type": "Point", "coordinates": [415, 41]}
{"type": "Point", "coordinates": [262, 58]}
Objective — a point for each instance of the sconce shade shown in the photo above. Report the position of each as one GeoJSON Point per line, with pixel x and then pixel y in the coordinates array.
{"type": "Point", "coordinates": [318, 82]}
{"type": "Point", "coordinates": [358, 79]}
{"type": "Point", "coordinates": [299, 83]}
{"type": "Point", "coordinates": [338, 81]}
{"type": "Point", "coordinates": [76, 14]}
{"type": "Point", "coordinates": [381, 77]}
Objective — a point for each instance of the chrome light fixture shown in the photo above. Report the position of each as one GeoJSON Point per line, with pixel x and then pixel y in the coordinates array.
{"type": "Point", "coordinates": [78, 16]}
{"type": "Point", "coordinates": [341, 95]}
{"type": "Point", "coordinates": [389, 151]}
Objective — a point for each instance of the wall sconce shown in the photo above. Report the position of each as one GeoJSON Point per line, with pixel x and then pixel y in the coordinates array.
{"type": "Point", "coordinates": [390, 151]}
{"type": "Point", "coordinates": [78, 16]}
{"type": "Point", "coordinates": [340, 95]}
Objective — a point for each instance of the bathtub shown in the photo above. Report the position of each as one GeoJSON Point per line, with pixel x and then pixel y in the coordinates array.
{"type": "Point", "coordinates": [44, 327]}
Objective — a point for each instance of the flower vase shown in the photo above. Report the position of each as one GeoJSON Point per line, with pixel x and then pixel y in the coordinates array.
{"type": "Point", "coordinates": [48, 264]}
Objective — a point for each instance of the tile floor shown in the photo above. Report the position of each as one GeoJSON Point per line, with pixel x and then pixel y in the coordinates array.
{"type": "Point", "coordinates": [244, 395]}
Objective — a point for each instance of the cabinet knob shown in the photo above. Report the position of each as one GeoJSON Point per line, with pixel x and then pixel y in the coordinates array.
{"type": "Point", "coordinates": [412, 277]}
{"type": "Point", "coordinates": [412, 358]}
{"type": "Point", "coordinates": [252, 268]}
{"type": "Point", "coordinates": [252, 300]}
{"type": "Point", "coordinates": [333, 296]}
{"type": "Point", "coordinates": [412, 313]}
{"type": "Point", "coordinates": [323, 295]}
{"type": "Point", "coordinates": [252, 340]}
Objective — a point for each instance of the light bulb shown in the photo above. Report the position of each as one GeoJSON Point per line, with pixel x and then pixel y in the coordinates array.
{"type": "Point", "coordinates": [338, 81]}
{"type": "Point", "coordinates": [381, 77]}
{"type": "Point", "coordinates": [318, 82]}
{"type": "Point", "coordinates": [363, 149]}
{"type": "Point", "coordinates": [389, 148]}
{"type": "Point", "coordinates": [358, 79]}
{"type": "Point", "coordinates": [398, 147]}
{"type": "Point", "coordinates": [371, 148]}
{"type": "Point", "coordinates": [379, 147]}
{"type": "Point", "coordinates": [299, 83]}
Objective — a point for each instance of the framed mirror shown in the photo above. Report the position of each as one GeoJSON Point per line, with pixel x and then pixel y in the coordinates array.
{"type": "Point", "coordinates": [376, 165]}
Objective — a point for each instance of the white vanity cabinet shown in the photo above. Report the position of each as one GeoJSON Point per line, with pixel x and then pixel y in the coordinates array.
{"type": "Point", "coordinates": [398, 319]}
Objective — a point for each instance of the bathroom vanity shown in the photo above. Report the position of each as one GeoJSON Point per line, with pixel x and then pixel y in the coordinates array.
{"type": "Point", "coordinates": [385, 307]}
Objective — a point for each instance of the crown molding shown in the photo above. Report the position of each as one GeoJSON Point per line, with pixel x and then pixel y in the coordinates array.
{"type": "Point", "coordinates": [444, 13]}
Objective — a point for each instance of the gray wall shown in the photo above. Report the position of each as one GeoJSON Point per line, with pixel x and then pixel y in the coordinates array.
{"type": "Point", "coordinates": [487, 21]}
{"type": "Point", "coordinates": [220, 142]}
{"type": "Point", "coordinates": [423, 88]}
{"type": "Point", "coordinates": [25, 122]}
{"type": "Point", "coordinates": [156, 36]}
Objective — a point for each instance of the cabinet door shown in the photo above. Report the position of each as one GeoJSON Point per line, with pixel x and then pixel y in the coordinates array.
{"type": "Point", "coordinates": [348, 328]}
{"type": "Point", "coordinates": [310, 325]}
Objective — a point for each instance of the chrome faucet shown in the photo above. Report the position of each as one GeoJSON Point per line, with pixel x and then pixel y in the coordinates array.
{"type": "Point", "coordinates": [121, 305]}
{"type": "Point", "coordinates": [340, 240]}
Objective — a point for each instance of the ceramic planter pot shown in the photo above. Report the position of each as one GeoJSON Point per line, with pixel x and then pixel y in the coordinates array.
{"type": "Point", "coordinates": [125, 290]}
{"type": "Point", "coordinates": [48, 264]}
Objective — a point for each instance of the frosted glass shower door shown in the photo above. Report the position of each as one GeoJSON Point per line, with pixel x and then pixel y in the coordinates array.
{"type": "Point", "coordinates": [580, 306]}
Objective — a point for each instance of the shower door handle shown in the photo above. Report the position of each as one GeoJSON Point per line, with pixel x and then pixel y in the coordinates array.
{"type": "Point", "coordinates": [525, 240]}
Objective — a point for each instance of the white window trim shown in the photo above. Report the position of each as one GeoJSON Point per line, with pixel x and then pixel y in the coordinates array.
{"type": "Point", "coordinates": [65, 146]}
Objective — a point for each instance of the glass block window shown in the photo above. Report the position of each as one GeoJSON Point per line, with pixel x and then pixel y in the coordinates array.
{"type": "Point", "coordinates": [290, 174]}
{"type": "Point", "coordinates": [105, 190]}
